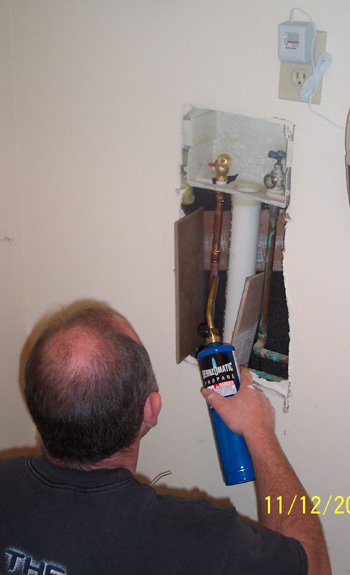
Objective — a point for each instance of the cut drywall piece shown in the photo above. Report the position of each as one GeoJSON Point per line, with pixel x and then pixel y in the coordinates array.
{"type": "Point", "coordinates": [248, 317]}
{"type": "Point", "coordinates": [189, 282]}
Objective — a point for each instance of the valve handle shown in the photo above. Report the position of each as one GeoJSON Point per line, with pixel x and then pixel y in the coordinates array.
{"type": "Point", "coordinates": [279, 155]}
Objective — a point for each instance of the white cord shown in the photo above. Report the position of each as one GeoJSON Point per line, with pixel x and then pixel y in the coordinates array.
{"type": "Point", "coordinates": [308, 89]}
{"type": "Point", "coordinates": [291, 14]}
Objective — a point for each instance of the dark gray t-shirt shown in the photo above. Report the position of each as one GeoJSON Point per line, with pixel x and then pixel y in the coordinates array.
{"type": "Point", "coordinates": [58, 521]}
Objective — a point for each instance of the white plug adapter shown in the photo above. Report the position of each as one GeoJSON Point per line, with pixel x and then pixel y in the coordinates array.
{"type": "Point", "coordinates": [295, 42]}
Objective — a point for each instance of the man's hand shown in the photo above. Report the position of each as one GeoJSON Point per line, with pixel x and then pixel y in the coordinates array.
{"type": "Point", "coordinates": [248, 413]}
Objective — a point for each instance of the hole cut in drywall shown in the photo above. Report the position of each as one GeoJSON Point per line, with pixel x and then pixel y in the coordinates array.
{"type": "Point", "coordinates": [277, 339]}
{"type": "Point", "coordinates": [249, 142]}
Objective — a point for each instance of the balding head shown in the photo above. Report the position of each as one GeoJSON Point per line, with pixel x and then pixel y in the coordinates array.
{"type": "Point", "coordinates": [86, 383]}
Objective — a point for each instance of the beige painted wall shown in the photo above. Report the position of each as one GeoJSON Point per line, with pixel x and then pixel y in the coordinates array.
{"type": "Point", "coordinates": [15, 425]}
{"type": "Point", "coordinates": [92, 108]}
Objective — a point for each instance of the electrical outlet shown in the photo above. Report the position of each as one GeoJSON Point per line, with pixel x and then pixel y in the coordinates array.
{"type": "Point", "coordinates": [293, 76]}
{"type": "Point", "coordinates": [298, 77]}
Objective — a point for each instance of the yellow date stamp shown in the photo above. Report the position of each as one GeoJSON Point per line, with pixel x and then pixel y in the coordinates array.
{"type": "Point", "coordinates": [338, 505]}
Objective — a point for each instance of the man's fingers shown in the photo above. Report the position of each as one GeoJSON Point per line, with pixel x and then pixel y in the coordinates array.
{"type": "Point", "coordinates": [246, 378]}
{"type": "Point", "coordinates": [208, 394]}
{"type": "Point", "coordinates": [221, 404]}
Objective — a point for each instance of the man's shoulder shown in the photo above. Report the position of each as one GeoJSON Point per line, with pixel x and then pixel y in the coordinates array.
{"type": "Point", "coordinates": [9, 464]}
{"type": "Point", "coordinates": [13, 475]}
{"type": "Point", "coordinates": [199, 505]}
{"type": "Point", "coordinates": [190, 511]}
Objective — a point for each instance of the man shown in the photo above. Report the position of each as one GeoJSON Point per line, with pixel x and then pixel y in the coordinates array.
{"type": "Point", "coordinates": [79, 510]}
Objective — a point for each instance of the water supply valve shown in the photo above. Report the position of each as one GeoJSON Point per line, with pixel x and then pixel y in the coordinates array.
{"type": "Point", "coordinates": [222, 166]}
{"type": "Point", "coordinates": [274, 180]}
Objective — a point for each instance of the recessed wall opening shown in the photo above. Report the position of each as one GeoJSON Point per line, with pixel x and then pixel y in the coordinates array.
{"type": "Point", "coordinates": [253, 205]}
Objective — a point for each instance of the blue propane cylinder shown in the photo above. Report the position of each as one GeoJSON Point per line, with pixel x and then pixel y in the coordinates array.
{"type": "Point", "coordinates": [219, 371]}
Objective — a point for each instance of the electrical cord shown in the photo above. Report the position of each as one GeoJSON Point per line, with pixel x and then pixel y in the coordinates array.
{"type": "Point", "coordinates": [308, 89]}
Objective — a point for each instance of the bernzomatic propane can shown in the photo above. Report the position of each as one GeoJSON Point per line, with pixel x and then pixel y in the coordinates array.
{"type": "Point", "coordinates": [219, 371]}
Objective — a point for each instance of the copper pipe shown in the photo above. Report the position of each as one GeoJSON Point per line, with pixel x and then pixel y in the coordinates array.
{"type": "Point", "coordinates": [259, 346]}
{"type": "Point", "coordinates": [222, 166]}
{"type": "Point", "coordinates": [270, 254]}
{"type": "Point", "coordinates": [215, 250]}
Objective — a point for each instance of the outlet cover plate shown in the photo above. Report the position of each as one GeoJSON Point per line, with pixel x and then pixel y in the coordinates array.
{"type": "Point", "coordinates": [292, 76]}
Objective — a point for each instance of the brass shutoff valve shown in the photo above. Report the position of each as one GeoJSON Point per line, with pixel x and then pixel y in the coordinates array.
{"type": "Point", "coordinates": [222, 166]}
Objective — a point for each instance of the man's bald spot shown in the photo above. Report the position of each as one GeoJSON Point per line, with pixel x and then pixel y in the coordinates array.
{"type": "Point", "coordinates": [74, 348]}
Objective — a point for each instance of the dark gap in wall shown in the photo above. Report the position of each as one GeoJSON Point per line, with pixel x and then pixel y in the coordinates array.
{"type": "Point", "coordinates": [277, 330]}
{"type": "Point", "coordinates": [205, 199]}
{"type": "Point", "coordinates": [278, 324]}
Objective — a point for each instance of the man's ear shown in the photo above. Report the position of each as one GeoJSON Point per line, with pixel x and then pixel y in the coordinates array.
{"type": "Point", "coordinates": [151, 411]}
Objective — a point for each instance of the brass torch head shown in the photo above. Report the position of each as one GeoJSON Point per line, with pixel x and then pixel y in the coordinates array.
{"type": "Point", "coordinates": [213, 336]}
{"type": "Point", "coordinates": [222, 166]}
